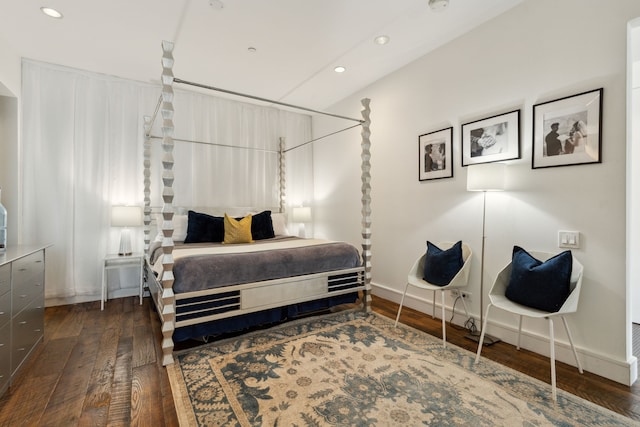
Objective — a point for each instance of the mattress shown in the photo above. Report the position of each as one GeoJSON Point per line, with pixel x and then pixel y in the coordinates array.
{"type": "Point", "coordinates": [205, 266]}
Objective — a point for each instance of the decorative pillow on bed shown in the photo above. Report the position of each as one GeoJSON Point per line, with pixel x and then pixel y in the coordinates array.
{"type": "Point", "coordinates": [542, 285]}
{"type": "Point", "coordinates": [442, 266]}
{"type": "Point", "coordinates": [261, 226]}
{"type": "Point", "coordinates": [204, 228]}
{"type": "Point", "coordinates": [179, 227]}
{"type": "Point", "coordinates": [279, 221]}
{"type": "Point", "coordinates": [237, 231]}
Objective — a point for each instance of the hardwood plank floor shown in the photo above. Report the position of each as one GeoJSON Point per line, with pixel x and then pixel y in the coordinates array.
{"type": "Point", "coordinates": [99, 368]}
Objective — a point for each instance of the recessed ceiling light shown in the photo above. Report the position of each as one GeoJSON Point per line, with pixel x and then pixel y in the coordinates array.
{"type": "Point", "coordinates": [381, 40]}
{"type": "Point", "coordinates": [252, 49]}
{"type": "Point", "coordinates": [438, 5]}
{"type": "Point", "coordinates": [51, 12]}
{"type": "Point", "coordinates": [340, 69]}
{"type": "Point", "coordinates": [216, 4]}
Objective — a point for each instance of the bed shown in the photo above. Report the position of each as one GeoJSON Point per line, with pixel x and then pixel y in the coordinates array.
{"type": "Point", "coordinates": [202, 286]}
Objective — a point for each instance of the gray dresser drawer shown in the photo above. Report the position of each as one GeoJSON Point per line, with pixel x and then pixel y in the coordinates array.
{"type": "Point", "coordinates": [5, 278]}
{"type": "Point", "coordinates": [27, 329]}
{"type": "Point", "coordinates": [5, 357]}
{"type": "Point", "coordinates": [5, 308]}
{"type": "Point", "coordinates": [28, 265]}
{"type": "Point", "coordinates": [27, 281]}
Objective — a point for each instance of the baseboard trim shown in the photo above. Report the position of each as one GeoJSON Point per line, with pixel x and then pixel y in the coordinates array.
{"type": "Point", "coordinates": [79, 299]}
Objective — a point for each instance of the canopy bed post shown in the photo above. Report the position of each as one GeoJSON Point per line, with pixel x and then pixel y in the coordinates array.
{"type": "Point", "coordinates": [166, 277]}
{"type": "Point", "coordinates": [146, 153]}
{"type": "Point", "coordinates": [366, 201]}
{"type": "Point", "coordinates": [281, 164]}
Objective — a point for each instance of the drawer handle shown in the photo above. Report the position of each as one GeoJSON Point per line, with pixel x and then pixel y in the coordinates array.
{"type": "Point", "coordinates": [23, 296]}
{"type": "Point", "coordinates": [1, 344]}
{"type": "Point", "coordinates": [38, 284]}
{"type": "Point", "coordinates": [22, 269]}
{"type": "Point", "coordinates": [38, 261]}
{"type": "Point", "coordinates": [37, 330]}
{"type": "Point", "coordinates": [24, 322]}
{"type": "Point", "coordinates": [1, 313]}
{"type": "Point", "coordinates": [21, 349]}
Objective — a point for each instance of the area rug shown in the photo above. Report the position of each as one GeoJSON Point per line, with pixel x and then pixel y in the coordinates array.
{"type": "Point", "coordinates": [356, 369]}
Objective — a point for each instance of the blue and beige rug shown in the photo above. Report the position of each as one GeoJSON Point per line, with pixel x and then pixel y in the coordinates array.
{"type": "Point", "coordinates": [354, 369]}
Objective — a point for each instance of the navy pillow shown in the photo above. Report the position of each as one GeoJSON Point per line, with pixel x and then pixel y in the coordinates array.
{"type": "Point", "coordinates": [261, 226]}
{"type": "Point", "coordinates": [542, 285]}
{"type": "Point", "coordinates": [442, 266]}
{"type": "Point", "coordinates": [204, 228]}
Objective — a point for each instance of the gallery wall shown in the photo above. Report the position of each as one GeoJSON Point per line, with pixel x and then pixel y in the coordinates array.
{"type": "Point", "coordinates": [539, 51]}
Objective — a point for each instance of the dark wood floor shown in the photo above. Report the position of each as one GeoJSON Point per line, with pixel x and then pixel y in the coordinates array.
{"type": "Point", "coordinates": [98, 368]}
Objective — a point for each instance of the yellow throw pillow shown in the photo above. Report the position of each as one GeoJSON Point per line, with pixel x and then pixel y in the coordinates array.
{"type": "Point", "coordinates": [237, 231]}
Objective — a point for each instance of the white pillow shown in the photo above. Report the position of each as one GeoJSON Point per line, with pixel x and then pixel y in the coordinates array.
{"type": "Point", "coordinates": [180, 223]}
{"type": "Point", "coordinates": [279, 221]}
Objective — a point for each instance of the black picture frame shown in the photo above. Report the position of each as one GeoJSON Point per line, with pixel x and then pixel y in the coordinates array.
{"type": "Point", "coordinates": [435, 155]}
{"type": "Point", "coordinates": [491, 139]}
{"type": "Point", "coordinates": [577, 137]}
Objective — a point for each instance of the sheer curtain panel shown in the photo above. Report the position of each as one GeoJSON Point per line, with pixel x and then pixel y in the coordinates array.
{"type": "Point", "coordinates": [81, 150]}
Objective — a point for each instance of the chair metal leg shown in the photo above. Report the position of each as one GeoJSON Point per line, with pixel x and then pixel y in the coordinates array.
{"type": "Point", "coordinates": [519, 332]}
{"type": "Point", "coordinates": [444, 326]}
{"type": "Point", "coordinates": [552, 356]}
{"type": "Point", "coordinates": [484, 329]}
{"type": "Point", "coordinates": [401, 302]}
{"type": "Point", "coordinates": [433, 313]}
{"type": "Point", "coordinates": [575, 353]}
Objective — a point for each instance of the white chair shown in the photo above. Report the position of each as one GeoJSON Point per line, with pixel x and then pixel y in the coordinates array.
{"type": "Point", "coordinates": [499, 300]}
{"type": "Point", "coordinates": [460, 280]}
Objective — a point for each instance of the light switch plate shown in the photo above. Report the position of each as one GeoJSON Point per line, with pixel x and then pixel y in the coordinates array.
{"type": "Point", "coordinates": [569, 239]}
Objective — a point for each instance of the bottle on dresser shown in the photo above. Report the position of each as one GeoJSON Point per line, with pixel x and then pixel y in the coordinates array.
{"type": "Point", "coordinates": [3, 226]}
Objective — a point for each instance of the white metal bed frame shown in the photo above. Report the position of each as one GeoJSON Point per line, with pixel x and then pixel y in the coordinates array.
{"type": "Point", "coordinates": [249, 297]}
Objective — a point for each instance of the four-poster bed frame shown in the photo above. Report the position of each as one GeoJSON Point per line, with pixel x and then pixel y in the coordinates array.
{"type": "Point", "coordinates": [252, 295]}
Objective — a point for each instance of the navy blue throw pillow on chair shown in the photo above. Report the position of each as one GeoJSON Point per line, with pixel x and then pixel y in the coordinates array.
{"type": "Point", "coordinates": [440, 266]}
{"type": "Point", "coordinates": [536, 284]}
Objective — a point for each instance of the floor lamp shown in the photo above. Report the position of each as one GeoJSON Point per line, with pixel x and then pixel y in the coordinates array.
{"type": "Point", "coordinates": [484, 177]}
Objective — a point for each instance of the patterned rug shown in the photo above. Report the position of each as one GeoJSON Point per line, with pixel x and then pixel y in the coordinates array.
{"type": "Point", "coordinates": [356, 369]}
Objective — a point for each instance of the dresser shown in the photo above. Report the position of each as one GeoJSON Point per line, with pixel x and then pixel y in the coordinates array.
{"type": "Point", "coordinates": [22, 272]}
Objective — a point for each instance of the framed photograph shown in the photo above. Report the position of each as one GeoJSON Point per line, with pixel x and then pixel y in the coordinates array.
{"type": "Point", "coordinates": [493, 139]}
{"type": "Point", "coordinates": [434, 155]}
{"type": "Point", "coordinates": [567, 131]}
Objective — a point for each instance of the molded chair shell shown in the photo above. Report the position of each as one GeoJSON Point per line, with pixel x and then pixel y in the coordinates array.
{"type": "Point", "coordinates": [460, 280]}
{"type": "Point", "coordinates": [498, 299]}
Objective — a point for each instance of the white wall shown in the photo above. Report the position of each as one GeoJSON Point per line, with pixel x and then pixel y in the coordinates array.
{"type": "Point", "coordinates": [9, 134]}
{"type": "Point", "coordinates": [633, 173]}
{"type": "Point", "coordinates": [538, 51]}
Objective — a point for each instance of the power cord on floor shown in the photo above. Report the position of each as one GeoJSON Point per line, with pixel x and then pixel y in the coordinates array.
{"type": "Point", "coordinates": [469, 324]}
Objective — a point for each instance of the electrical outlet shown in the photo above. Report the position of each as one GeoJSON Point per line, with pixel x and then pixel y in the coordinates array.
{"type": "Point", "coordinates": [464, 294]}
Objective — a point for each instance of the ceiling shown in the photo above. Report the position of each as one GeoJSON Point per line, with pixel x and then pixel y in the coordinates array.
{"type": "Point", "coordinates": [297, 43]}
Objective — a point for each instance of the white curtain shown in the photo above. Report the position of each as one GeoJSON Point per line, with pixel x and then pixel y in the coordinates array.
{"type": "Point", "coordinates": [82, 137]}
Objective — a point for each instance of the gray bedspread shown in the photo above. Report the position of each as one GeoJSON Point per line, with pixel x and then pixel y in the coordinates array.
{"type": "Point", "coordinates": [200, 272]}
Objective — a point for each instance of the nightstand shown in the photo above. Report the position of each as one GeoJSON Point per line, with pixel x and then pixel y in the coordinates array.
{"type": "Point", "coordinates": [115, 261]}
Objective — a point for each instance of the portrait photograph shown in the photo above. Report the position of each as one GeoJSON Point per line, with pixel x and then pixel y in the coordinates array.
{"type": "Point", "coordinates": [566, 131]}
{"type": "Point", "coordinates": [492, 139]}
{"type": "Point", "coordinates": [434, 155]}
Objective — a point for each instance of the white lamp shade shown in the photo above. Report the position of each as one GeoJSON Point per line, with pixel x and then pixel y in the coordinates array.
{"type": "Point", "coordinates": [301, 214]}
{"type": "Point", "coordinates": [486, 177]}
{"type": "Point", "coordinates": [126, 216]}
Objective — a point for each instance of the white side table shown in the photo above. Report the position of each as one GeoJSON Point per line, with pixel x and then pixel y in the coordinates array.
{"type": "Point", "coordinates": [115, 261]}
